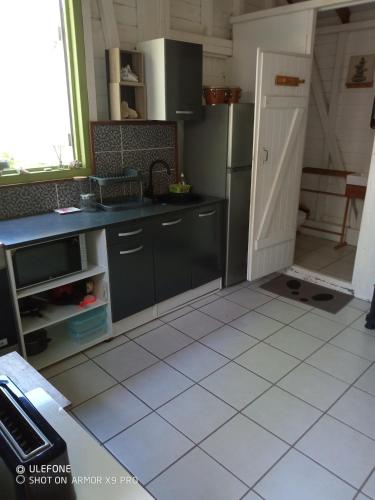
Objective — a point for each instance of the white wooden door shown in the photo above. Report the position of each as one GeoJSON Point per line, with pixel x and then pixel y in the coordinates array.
{"type": "Point", "coordinates": [279, 135]}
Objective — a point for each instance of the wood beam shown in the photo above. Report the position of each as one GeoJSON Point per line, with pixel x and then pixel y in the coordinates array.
{"type": "Point", "coordinates": [109, 24]}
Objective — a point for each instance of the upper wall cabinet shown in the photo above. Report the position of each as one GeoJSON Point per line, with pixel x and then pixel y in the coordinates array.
{"type": "Point", "coordinates": [173, 74]}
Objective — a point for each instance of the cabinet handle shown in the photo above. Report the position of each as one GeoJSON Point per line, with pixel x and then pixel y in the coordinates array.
{"type": "Point", "coordinates": [181, 112]}
{"type": "Point", "coordinates": [131, 233]}
{"type": "Point", "coordinates": [133, 250]}
{"type": "Point", "coordinates": [207, 214]}
{"type": "Point", "coordinates": [171, 223]}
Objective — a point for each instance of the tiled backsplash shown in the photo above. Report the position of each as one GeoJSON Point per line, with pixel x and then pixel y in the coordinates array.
{"type": "Point", "coordinates": [115, 146]}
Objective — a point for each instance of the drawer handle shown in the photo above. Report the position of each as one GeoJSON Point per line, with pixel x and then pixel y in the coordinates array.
{"type": "Point", "coordinates": [131, 233]}
{"type": "Point", "coordinates": [171, 223]}
{"type": "Point", "coordinates": [133, 250]}
{"type": "Point", "coordinates": [207, 214]}
{"type": "Point", "coordinates": [181, 112]}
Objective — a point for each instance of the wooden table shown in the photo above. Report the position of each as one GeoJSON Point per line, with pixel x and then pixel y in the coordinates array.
{"type": "Point", "coordinates": [352, 192]}
{"type": "Point", "coordinates": [27, 378]}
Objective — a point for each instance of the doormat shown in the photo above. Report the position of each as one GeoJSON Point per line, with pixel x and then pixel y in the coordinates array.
{"type": "Point", "coordinates": [308, 293]}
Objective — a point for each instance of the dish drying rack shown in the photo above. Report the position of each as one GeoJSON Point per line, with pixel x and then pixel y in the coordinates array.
{"type": "Point", "coordinates": [129, 175]}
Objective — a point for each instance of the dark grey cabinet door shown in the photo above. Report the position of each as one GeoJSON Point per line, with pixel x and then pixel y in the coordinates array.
{"type": "Point", "coordinates": [207, 245]}
{"type": "Point", "coordinates": [131, 274]}
{"type": "Point", "coordinates": [172, 256]}
{"type": "Point", "coordinates": [184, 80]}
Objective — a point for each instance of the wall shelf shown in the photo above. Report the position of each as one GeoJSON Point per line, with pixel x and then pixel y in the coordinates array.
{"type": "Point", "coordinates": [92, 270]}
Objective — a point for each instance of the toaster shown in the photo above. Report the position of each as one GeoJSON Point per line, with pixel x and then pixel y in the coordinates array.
{"type": "Point", "coordinates": [34, 463]}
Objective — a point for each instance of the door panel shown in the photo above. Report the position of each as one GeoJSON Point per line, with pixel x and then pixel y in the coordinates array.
{"type": "Point", "coordinates": [280, 124]}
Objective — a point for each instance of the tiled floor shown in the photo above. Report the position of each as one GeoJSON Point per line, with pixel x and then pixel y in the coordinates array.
{"type": "Point", "coordinates": [319, 254]}
{"type": "Point", "coordinates": [241, 395]}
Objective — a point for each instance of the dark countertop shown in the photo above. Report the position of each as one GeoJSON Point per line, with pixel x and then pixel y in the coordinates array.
{"type": "Point", "coordinates": [32, 229]}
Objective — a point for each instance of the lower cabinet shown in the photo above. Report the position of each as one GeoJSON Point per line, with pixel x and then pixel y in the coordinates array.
{"type": "Point", "coordinates": [206, 244]}
{"type": "Point", "coordinates": [131, 272]}
{"type": "Point", "coordinates": [164, 256]}
{"type": "Point", "coordinates": [172, 255]}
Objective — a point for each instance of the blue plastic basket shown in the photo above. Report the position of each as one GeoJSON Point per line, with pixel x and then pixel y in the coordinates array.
{"type": "Point", "coordinates": [89, 323]}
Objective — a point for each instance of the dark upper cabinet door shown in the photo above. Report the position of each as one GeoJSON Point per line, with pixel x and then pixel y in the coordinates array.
{"type": "Point", "coordinates": [131, 271]}
{"type": "Point", "coordinates": [207, 244]}
{"type": "Point", "coordinates": [183, 80]}
{"type": "Point", "coordinates": [171, 255]}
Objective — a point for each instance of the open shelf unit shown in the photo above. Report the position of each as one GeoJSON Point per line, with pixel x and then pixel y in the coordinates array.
{"type": "Point", "coordinates": [54, 318]}
{"type": "Point", "coordinates": [134, 93]}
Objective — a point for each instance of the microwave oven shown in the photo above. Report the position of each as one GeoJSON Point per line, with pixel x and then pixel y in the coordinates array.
{"type": "Point", "coordinates": [42, 262]}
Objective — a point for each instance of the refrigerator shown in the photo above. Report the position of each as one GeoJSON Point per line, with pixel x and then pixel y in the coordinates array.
{"type": "Point", "coordinates": [217, 162]}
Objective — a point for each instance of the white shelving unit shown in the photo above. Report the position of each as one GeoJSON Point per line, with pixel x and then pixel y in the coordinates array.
{"type": "Point", "coordinates": [54, 317]}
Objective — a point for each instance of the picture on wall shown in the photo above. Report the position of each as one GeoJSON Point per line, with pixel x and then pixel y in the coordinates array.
{"type": "Point", "coordinates": [361, 71]}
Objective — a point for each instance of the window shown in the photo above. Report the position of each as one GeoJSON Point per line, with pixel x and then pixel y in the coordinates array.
{"type": "Point", "coordinates": [43, 94]}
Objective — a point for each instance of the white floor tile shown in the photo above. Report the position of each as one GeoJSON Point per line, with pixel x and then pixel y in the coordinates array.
{"type": "Point", "coordinates": [282, 414]}
{"type": "Point", "coordinates": [228, 341]}
{"type": "Point", "coordinates": [257, 325]}
{"type": "Point", "coordinates": [342, 450]}
{"type": "Point", "coordinates": [281, 311]}
{"type": "Point", "coordinates": [164, 341]}
{"type": "Point", "coordinates": [224, 310]}
{"type": "Point", "coordinates": [158, 384]}
{"type": "Point", "coordinates": [367, 381]}
{"type": "Point", "coordinates": [176, 314]}
{"type": "Point", "coordinates": [140, 330]}
{"type": "Point", "coordinates": [248, 298]}
{"type": "Point", "coordinates": [251, 496]}
{"type": "Point", "coordinates": [82, 382]}
{"type": "Point", "coordinates": [126, 360]}
{"type": "Point", "coordinates": [357, 409]}
{"type": "Point", "coordinates": [317, 326]}
{"type": "Point", "coordinates": [296, 477]}
{"type": "Point", "coordinates": [196, 324]}
{"type": "Point", "coordinates": [339, 363]}
{"type": "Point", "coordinates": [64, 365]}
{"type": "Point", "coordinates": [106, 346]}
{"type": "Point", "coordinates": [294, 342]}
{"type": "Point", "coordinates": [235, 385]}
{"type": "Point", "coordinates": [369, 487]}
{"type": "Point", "coordinates": [346, 316]}
{"type": "Point", "coordinates": [313, 386]}
{"type": "Point", "coordinates": [226, 291]}
{"type": "Point", "coordinates": [196, 361]}
{"type": "Point", "coordinates": [203, 302]}
{"type": "Point", "coordinates": [197, 477]}
{"type": "Point", "coordinates": [111, 412]}
{"type": "Point", "coordinates": [359, 324]}
{"type": "Point", "coordinates": [244, 448]}
{"type": "Point", "coordinates": [356, 342]}
{"type": "Point", "coordinates": [268, 362]}
{"type": "Point", "coordinates": [362, 305]}
{"type": "Point", "coordinates": [148, 447]}
{"type": "Point", "coordinates": [196, 413]}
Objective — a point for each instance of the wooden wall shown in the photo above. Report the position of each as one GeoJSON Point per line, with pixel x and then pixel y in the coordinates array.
{"type": "Point", "coordinates": [351, 125]}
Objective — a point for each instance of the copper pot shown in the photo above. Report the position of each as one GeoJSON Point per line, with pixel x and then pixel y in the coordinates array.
{"type": "Point", "coordinates": [215, 95]}
{"type": "Point", "coordinates": [233, 95]}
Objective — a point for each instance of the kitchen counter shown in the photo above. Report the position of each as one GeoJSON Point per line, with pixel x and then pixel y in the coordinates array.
{"type": "Point", "coordinates": [36, 228]}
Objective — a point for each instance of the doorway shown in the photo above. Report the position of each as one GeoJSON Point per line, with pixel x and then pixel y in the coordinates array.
{"type": "Point", "coordinates": [338, 144]}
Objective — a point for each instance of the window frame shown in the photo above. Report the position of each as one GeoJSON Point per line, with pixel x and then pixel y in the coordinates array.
{"type": "Point", "coordinates": [78, 97]}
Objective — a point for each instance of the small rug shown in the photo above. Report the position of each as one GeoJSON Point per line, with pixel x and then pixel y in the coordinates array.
{"type": "Point", "coordinates": [308, 293]}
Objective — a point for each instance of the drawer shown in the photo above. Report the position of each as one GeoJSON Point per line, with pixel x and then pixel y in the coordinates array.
{"type": "Point", "coordinates": [128, 233]}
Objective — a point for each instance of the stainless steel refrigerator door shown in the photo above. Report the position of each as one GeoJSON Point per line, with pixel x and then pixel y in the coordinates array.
{"type": "Point", "coordinates": [240, 134]}
{"type": "Point", "coordinates": [238, 195]}
{"type": "Point", "coordinates": [206, 151]}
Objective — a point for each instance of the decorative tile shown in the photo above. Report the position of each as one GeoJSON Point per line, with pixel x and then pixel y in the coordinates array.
{"type": "Point", "coordinates": [143, 136]}
{"type": "Point", "coordinates": [108, 164]}
{"type": "Point", "coordinates": [68, 192]}
{"type": "Point", "coordinates": [106, 137]}
{"type": "Point", "coordinates": [148, 447]}
{"type": "Point", "coordinates": [199, 477]}
{"type": "Point", "coordinates": [244, 448]}
{"type": "Point", "coordinates": [283, 414]}
{"type": "Point", "coordinates": [27, 199]}
{"type": "Point", "coordinates": [296, 477]}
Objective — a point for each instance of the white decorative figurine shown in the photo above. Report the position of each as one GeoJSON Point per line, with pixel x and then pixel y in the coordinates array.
{"type": "Point", "coordinates": [128, 75]}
